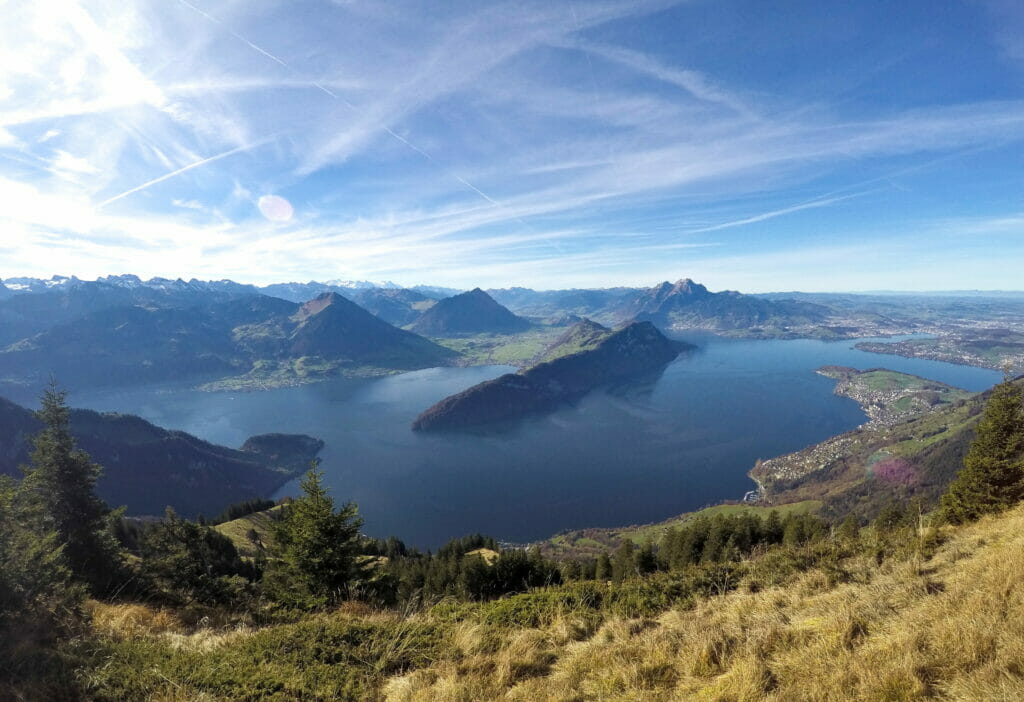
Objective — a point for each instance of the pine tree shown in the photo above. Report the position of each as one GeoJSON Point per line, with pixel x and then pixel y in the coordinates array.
{"type": "Point", "coordinates": [194, 562]}
{"type": "Point", "coordinates": [624, 563]}
{"type": "Point", "coordinates": [571, 570]}
{"type": "Point", "coordinates": [992, 478]}
{"type": "Point", "coordinates": [59, 484]}
{"type": "Point", "coordinates": [646, 560]}
{"type": "Point", "coordinates": [603, 567]}
{"type": "Point", "coordinates": [317, 546]}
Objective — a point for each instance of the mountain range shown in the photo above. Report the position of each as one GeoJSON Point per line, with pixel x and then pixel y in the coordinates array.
{"type": "Point", "coordinates": [147, 468]}
{"type": "Point", "coordinates": [122, 329]}
{"type": "Point", "coordinates": [689, 305]}
{"type": "Point", "coordinates": [398, 306]}
{"type": "Point", "coordinates": [104, 334]}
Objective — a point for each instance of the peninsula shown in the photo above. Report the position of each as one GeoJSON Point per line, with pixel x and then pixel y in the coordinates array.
{"type": "Point", "coordinates": [586, 356]}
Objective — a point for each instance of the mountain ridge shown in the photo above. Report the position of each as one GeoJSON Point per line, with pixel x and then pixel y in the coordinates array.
{"type": "Point", "coordinates": [605, 357]}
{"type": "Point", "coordinates": [689, 305]}
{"type": "Point", "coordinates": [148, 468]}
{"type": "Point", "coordinates": [227, 336]}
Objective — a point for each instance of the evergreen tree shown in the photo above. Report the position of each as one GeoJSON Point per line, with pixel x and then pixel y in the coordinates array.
{"type": "Point", "coordinates": [793, 531]}
{"type": "Point", "coordinates": [717, 536]}
{"type": "Point", "coordinates": [690, 545]}
{"type": "Point", "coordinates": [646, 560]}
{"type": "Point", "coordinates": [992, 478]}
{"type": "Point", "coordinates": [603, 567]}
{"type": "Point", "coordinates": [571, 570]}
{"type": "Point", "coordinates": [194, 562]}
{"type": "Point", "coordinates": [624, 563]}
{"type": "Point", "coordinates": [316, 559]}
{"type": "Point", "coordinates": [59, 484]}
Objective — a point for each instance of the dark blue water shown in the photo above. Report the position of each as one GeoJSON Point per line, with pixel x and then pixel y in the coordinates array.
{"type": "Point", "coordinates": [629, 454]}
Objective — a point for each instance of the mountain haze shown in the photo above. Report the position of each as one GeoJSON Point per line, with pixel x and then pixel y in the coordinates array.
{"type": "Point", "coordinates": [472, 312]}
{"type": "Point", "coordinates": [689, 305]}
{"type": "Point", "coordinates": [331, 326]}
{"type": "Point", "coordinates": [98, 334]}
{"type": "Point", "coordinates": [398, 306]}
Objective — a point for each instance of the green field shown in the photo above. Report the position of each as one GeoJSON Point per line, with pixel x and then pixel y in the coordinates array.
{"type": "Point", "coordinates": [502, 349]}
{"type": "Point", "coordinates": [266, 375]}
{"type": "Point", "coordinates": [239, 531]}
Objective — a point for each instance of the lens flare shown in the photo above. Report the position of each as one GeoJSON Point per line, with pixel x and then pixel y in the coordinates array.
{"type": "Point", "coordinates": [275, 208]}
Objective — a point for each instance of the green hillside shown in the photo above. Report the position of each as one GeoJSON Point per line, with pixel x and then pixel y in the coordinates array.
{"type": "Point", "coordinates": [861, 470]}
{"type": "Point", "coordinates": [590, 543]}
{"type": "Point", "coordinates": [252, 535]}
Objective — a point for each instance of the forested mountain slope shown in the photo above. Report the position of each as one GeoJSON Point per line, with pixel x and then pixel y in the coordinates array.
{"type": "Point", "coordinates": [147, 468]}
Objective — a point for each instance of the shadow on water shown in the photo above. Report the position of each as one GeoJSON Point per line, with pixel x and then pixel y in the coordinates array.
{"type": "Point", "coordinates": [635, 388]}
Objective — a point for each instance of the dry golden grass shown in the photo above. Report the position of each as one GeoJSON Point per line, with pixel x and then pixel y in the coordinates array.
{"type": "Point", "coordinates": [131, 621]}
{"type": "Point", "coordinates": [949, 628]}
{"type": "Point", "coordinates": [125, 621]}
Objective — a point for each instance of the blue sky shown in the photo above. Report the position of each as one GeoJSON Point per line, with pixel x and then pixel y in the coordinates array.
{"type": "Point", "coordinates": [818, 145]}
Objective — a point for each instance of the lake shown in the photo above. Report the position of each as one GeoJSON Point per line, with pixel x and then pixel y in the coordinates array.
{"type": "Point", "coordinates": [629, 454]}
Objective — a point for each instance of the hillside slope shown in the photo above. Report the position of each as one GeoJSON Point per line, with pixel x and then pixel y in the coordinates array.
{"type": "Point", "coordinates": [585, 357]}
{"type": "Point", "coordinates": [941, 619]}
{"type": "Point", "coordinates": [944, 626]}
{"type": "Point", "coordinates": [860, 471]}
{"type": "Point", "coordinates": [332, 326]}
{"type": "Point", "coordinates": [472, 312]}
{"type": "Point", "coordinates": [398, 306]}
{"type": "Point", "coordinates": [147, 468]}
{"type": "Point", "coordinates": [245, 342]}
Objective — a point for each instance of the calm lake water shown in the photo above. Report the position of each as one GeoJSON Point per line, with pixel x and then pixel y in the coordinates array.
{"type": "Point", "coordinates": [629, 454]}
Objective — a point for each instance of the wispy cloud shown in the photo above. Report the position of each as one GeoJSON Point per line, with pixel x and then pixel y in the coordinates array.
{"type": "Point", "coordinates": [496, 142]}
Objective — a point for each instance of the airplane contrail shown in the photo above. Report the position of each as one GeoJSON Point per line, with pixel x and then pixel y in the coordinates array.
{"type": "Point", "coordinates": [348, 104]}
{"type": "Point", "coordinates": [809, 204]}
{"type": "Point", "coordinates": [233, 33]}
{"type": "Point", "coordinates": [189, 167]}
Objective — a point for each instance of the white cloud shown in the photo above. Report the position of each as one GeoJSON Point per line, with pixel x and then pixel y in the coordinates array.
{"type": "Point", "coordinates": [188, 204]}
{"type": "Point", "coordinates": [65, 162]}
{"type": "Point", "coordinates": [470, 140]}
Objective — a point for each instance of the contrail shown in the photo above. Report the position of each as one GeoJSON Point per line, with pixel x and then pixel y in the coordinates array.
{"type": "Point", "coordinates": [165, 176]}
{"type": "Point", "coordinates": [348, 104]}
{"type": "Point", "coordinates": [233, 33]}
{"type": "Point", "coordinates": [807, 205]}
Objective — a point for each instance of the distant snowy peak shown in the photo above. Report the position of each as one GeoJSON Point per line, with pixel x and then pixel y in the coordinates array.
{"type": "Point", "coordinates": [39, 284]}
{"type": "Point", "coordinates": [127, 281]}
{"type": "Point", "coordinates": [297, 292]}
{"type": "Point", "coordinates": [358, 284]}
